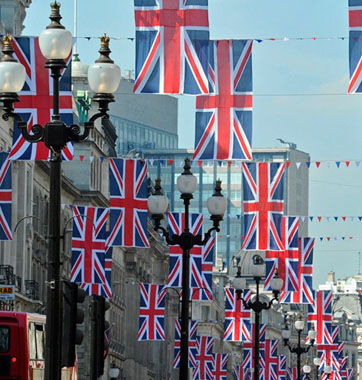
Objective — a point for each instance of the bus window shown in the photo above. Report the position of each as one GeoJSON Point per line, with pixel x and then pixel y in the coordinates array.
{"type": "Point", "coordinates": [4, 339]}
{"type": "Point", "coordinates": [32, 341]}
{"type": "Point", "coordinates": [39, 333]}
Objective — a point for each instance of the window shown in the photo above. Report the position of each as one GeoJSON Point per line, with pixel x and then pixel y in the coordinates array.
{"type": "Point", "coordinates": [32, 341]}
{"type": "Point", "coordinates": [39, 336]}
{"type": "Point", "coordinates": [4, 339]}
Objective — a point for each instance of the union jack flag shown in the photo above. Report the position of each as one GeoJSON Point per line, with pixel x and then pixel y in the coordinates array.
{"type": "Point", "coordinates": [292, 373]}
{"type": "Point", "coordinates": [36, 100]}
{"type": "Point", "coordinates": [128, 203]}
{"type": "Point", "coordinates": [269, 360]}
{"type": "Point", "coordinates": [330, 353]}
{"type": "Point", "coordinates": [176, 223]}
{"type": "Point", "coordinates": [263, 188]}
{"type": "Point", "coordinates": [5, 197]}
{"type": "Point", "coordinates": [205, 358]}
{"type": "Point", "coordinates": [305, 293]}
{"type": "Point", "coordinates": [285, 261]}
{"type": "Point", "coordinates": [334, 375]}
{"type": "Point", "coordinates": [89, 246]}
{"type": "Point", "coordinates": [237, 325]}
{"type": "Point", "coordinates": [193, 344]}
{"type": "Point", "coordinates": [152, 312]}
{"type": "Point", "coordinates": [282, 367]}
{"type": "Point", "coordinates": [172, 40]}
{"type": "Point", "coordinates": [355, 46]}
{"type": "Point", "coordinates": [224, 118]}
{"type": "Point", "coordinates": [320, 316]}
{"type": "Point", "coordinates": [248, 347]}
{"type": "Point", "coordinates": [220, 370]}
{"type": "Point", "coordinates": [239, 373]}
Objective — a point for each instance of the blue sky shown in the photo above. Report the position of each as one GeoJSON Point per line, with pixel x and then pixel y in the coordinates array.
{"type": "Point", "coordinates": [299, 87]}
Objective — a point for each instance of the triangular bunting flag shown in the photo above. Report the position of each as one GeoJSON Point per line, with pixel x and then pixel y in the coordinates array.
{"type": "Point", "coordinates": [170, 162]}
{"type": "Point", "coordinates": [307, 164]}
{"type": "Point", "coordinates": [63, 206]}
{"type": "Point", "coordinates": [101, 159]}
{"type": "Point", "coordinates": [328, 218]}
{"type": "Point", "coordinates": [319, 218]}
{"type": "Point", "coordinates": [219, 163]}
{"type": "Point", "coordinates": [91, 158]}
{"type": "Point", "coordinates": [229, 164]}
{"type": "Point", "coordinates": [328, 164]}
{"type": "Point", "coordinates": [357, 163]}
{"type": "Point", "coordinates": [336, 218]}
{"type": "Point", "coordinates": [347, 163]}
{"type": "Point", "coordinates": [343, 237]}
{"type": "Point", "coordinates": [288, 164]}
{"type": "Point", "coordinates": [311, 218]}
{"type": "Point", "coordinates": [338, 163]}
{"type": "Point", "coordinates": [321, 239]}
{"type": "Point", "coordinates": [360, 218]}
{"type": "Point", "coordinates": [151, 161]}
{"type": "Point", "coordinates": [344, 218]}
{"type": "Point", "coordinates": [317, 164]}
{"type": "Point", "coordinates": [335, 238]}
{"type": "Point", "coordinates": [297, 164]}
{"type": "Point", "coordinates": [303, 218]}
{"type": "Point", "coordinates": [200, 163]}
{"type": "Point", "coordinates": [81, 157]}
{"type": "Point", "coordinates": [352, 218]}
{"type": "Point", "coordinates": [328, 238]}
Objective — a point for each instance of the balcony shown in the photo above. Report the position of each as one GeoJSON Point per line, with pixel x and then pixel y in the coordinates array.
{"type": "Point", "coordinates": [7, 276]}
{"type": "Point", "coordinates": [32, 289]}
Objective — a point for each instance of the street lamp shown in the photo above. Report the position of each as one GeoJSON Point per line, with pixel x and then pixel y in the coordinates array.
{"type": "Point", "coordinates": [307, 369]}
{"type": "Point", "coordinates": [113, 372]}
{"type": "Point", "coordinates": [317, 363]}
{"type": "Point", "coordinates": [239, 283]}
{"type": "Point", "coordinates": [299, 350]}
{"type": "Point", "coordinates": [328, 370]}
{"type": "Point", "coordinates": [55, 44]}
{"type": "Point", "coordinates": [157, 206]}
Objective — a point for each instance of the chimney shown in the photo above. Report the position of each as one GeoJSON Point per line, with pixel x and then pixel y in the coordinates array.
{"type": "Point", "coordinates": [331, 277]}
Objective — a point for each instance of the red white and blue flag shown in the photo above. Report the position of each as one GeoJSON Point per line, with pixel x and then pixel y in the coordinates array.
{"type": "Point", "coordinates": [269, 360]}
{"type": "Point", "coordinates": [220, 370]}
{"type": "Point", "coordinates": [355, 46]}
{"type": "Point", "coordinates": [263, 189]}
{"type": "Point", "coordinates": [286, 261]}
{"type": "Point", "coordinates": [128, 203]}
{"type": "Point", "coordinates": [172, 41]}
{"type": "Point", "coordinates": [330, 354]}
{"type": "Point", "coordinates": [240, 373]}
{"type": "Point", "coordinates": [248, 347]}
{"type": "Point", "coordinates": [305, 293]}
{"type": "Point", "coordinates": [292, 373]}
{"type": "Point", "coordinates": [5, 197]}
{"type": "Point", "coordinates": [36, 100]}
{"type": "Point", "coordinates": [89, 247]}
{"type": "Point", "coordinates": [152, 312]}
{"type": "Point", "coordinates": [193, 343]}
{"type": "Point", "coordinates": [205, 359]}
{"type": "Point", "coordinates": [320, 316]}
{"type": "Point", "coordinates": [345, 373]}
{"type": "Point", "coordinates": [237, 325]}
{"type": "Point", "coordinates": [224, 118]}
{"type": "Point", "coordinates": [282, 367]}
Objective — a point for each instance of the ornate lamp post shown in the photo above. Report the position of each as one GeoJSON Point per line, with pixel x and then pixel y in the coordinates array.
{"type": "Point", "coordinates": [157, 206]}
{"type": "Point", "coordinates": [113, 372]}
{"type": "Point", "coordinates": [55, 44]}
{"type": "Point", "coordinates": [299, 350]}
{"type": "Point", "coordinates": [307, 369]}
{"type": "Point", "coordinates": [317, 363]}
{"type": "Point", "coordinates": [239, 283]}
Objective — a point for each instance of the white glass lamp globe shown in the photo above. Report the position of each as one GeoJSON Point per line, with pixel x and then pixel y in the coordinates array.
{"type": "Point", "coordinates": [307, 368]}
{"type": "Point", "coordinates": [299, 324]}
{"type": "Point", "coordinates": [276, 284]}
{"type": "Point", "coordinates": [12, 76]}
{"type": "Point", "coordinates": [257, 267]}
{"type": "Point", "coordinates": [216, 205]}
{"type": "Point", "coordinates": [312, 334]}
{"type": "Point", "coordinates": [186, 183]}
{"type": "Point", "coordinates": [239, 283]}
{"type": "Point", "coordinates": [157, 204]}
{"type": "Point", "coordinates": [328, 369]}
{"type": "Point", "coordinates": [55, 43]}
{"type": "Point", "coordinates": [286, 334]}
{"type": "Point", "coordinates": [104, 77]}
{"type": "Point", "coordinates": [113, 372]}
{"type": "Point", "coordinates": [317, 361]}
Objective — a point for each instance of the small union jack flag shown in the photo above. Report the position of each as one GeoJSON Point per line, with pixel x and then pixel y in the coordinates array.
{"type": "Point", "coordinates": [292, 374]}
{"type": "Point", "coordinates": [205, 359]}
{"type": "Point", "coordinates": [152, 312]}
{"type": "Point", "coordinates": [305, 293]}
{"type": "Point", "coordinates": [249, 360]}
{"type": "Point", "coordinates": [5, 197]}
{"type": "Point", "coordinates": [282, 367]}
{"type": "Point", "coordinates": [36, 100]}
{"type": "Point", "coordinates": [269, 359]}
{"type": "Point", "coordinates": [224, 118]}
{"type": "Point", "coordinates": [172, 40]}
{"type": "Point", "coordinates": [286, 261]}
{"type": "Point", "coordinates": [263, 189]}
{"type": "Point", "coordinates": [355, 46]}
{"type": "Point", "coordinates": [88, 246]}
{"type": "Point", "coordinates": [237, 325]}
{"type": "Point", "coordinates": [128, 203]}
{"type": "Point", "coordinates": [320, 316]}
{"type": "Point", "coordinates": [220, 371]}
{"type": "Point", "coordinates": [240, 373]}
{"type": "Point", "coordinates": [330, 353]}
{"type": "Point", "coordinates": [193, 344]}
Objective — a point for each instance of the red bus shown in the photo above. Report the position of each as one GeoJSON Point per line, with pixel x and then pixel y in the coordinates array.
{"type": "Point", "coordinates": [22, 347]}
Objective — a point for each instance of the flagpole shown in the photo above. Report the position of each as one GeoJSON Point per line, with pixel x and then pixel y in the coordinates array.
{"type": "Point", "coordinates": [75, 30]}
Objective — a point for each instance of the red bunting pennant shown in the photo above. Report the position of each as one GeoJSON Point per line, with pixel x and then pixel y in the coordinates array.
{"type": "Point", "coordinates": [288, 164]}
{"type": "Point", "coordinates": [344, 218]}
{"type": "Point", "coordinates": [242, 236]}
{"type": "Point", "coordinates": [200, 163]}
{"type": "Point", "coordinates": [170, 162]}
{"type": "Point", "coordinates": [319, 218]}
{"type": "Point", "coordinates": [81, 157]}
{"type": "Point", "coordinates": [318, 164]}
{"type": "Point", "coordinates": [328, 238]}
{"type": "Point", "coordinates": [347, 163]}
{"type": "Point", "coordinates": [229, 164]}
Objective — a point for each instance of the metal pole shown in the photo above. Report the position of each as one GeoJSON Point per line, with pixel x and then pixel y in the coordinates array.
{"type": "Point", "coordinates": [184, 348]}
{"type": "Point", "coordinates": [256, 335]}
{"type": "Point", "coordinates": [93, 351]}
{"type": "Point", "coordinates": [53, 305]}
{"type": "Point", "coordinates": [299, 354]}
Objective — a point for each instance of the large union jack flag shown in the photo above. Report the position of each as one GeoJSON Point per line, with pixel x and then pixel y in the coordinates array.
{"type": "Point", "coordinates": [248, 347]}
{"type": "Point", "coordinates": [224, 118]}
{"type": "Point", "coordinates": [269, 360]}
{"type": "Point", "coordinates": [128, 203]}
{"type": "Point", "coordinates": [263, 189]}
{"type": "Point", "coordinates": [330, 354]}
{"type": "Point", "coordinates": [305, 293]}
{"type": "Point", "coordinates": [36, 100]}
{"type": "Point", "coordinates": [152, 312]}
{"type": "Point", "coordinates": [89, 246]}
{"type": "Point", "coordinates": [205, 359]}
{"type": "Point", "coordinates": [220, 370]}
{"type": "Point", "coordinates": [320, 316]}
{"type": "Point", "coordinates": [355, 46]}
{"type": "Point", "coordinates": [237, 325]}
{"type": "Point", "coordinates": [193, 344]}
{"type": "Point", "coordinates": [285, 261]}
{"type": "Point", "coordinates": [5, 197]}
{"type": "Point", "coordinates": [172, 40]}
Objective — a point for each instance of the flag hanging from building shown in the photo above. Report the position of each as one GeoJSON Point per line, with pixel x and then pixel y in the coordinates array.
{"type": "Point", "coordinates": [152, 312]}
{"type": "Point", "coordinates": [239, 373]}
{"type": "Point", "coordinates": [248, 348]}
{"type": "Point", "coordinates": [36, 100]}
{"type": "Point", "coordinates": [220, 370]}
{"type": "Point", "coordinates": [330, 354]}
{"type": "Point", "coordinates": [224, 118]}
{"type": "Point", "coordinates": [263, 189]}
{"type": "Point", "coordinates": [205, 359]}
{"type": "Point", "coordinates": [292, 373]}
{"type": "Point", "coordinates": [88, 247]}
{"type": "Point", "coordinates": [355, 46]}
{"type": "Point", "coordinates": [128, 203]}
{"type": "Point", "coordinates": [172, 41]}
{"type": "Point", "coordinates": [305, 293]}
{"type": "Point", "coordinates": [320, 316]}
{"type": "Point", "coordinates": [269, 359]}
{"type": "Point", "coordinates": [285, 261]}
{"type": "Point", "coordinates": [237, 325]}
{"type": "Point", "coordinates": [282, 367]}
{"type": "Point", "coordinates": [193, 343]}
{"type": "Point", "coordinates": [5, 197]}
